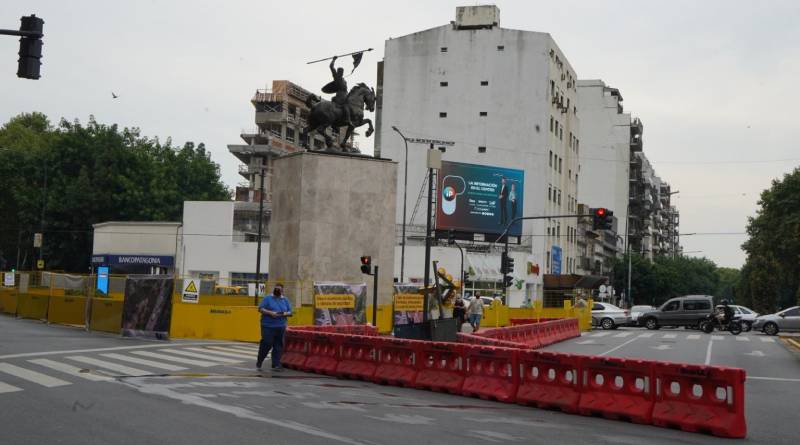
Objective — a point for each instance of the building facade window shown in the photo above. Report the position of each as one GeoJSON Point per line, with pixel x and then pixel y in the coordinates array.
{"type": "Point", "coordinates": [559, 164]}
{"type": "Point", "coordinates": [484, 83]}
{"type": "Point", "coordinates": [442, 114]}
{"type": "Point", "coordinates": [443, 49]}
{"type": "Point", "coordinates": [483, 114]}
{"type": "Point", "coordinates": [551, 158]}
{"type": "Point", "coordinates": [500, 47]}
{"type": "Point", "coordinates": [481, 149]}
{"type": "Point", "coordinates": [551, 124]}
{"type": "Point", "coordinates": [442, 84]}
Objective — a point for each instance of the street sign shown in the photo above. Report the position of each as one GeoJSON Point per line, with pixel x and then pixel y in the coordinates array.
{"type": "Point", "coordinates": [40, 264]}
{"type": "Point", "coordinates": [191, 292]}
{"type": "Point", "coordinates": [430, 141]}
{"type": "Point", "coordinates": [603, 288]}
{"type": "Point", "coordinates": [37, 240]}
{"type": "Point", "coordinates": [8, 279]}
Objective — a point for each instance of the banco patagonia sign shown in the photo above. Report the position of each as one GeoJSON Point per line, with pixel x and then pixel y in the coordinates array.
{"type": "Point", "coordinates": [145, 260]}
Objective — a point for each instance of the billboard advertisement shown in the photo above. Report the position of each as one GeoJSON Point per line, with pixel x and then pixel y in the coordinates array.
{"type": "Point", "coordinates": [479, 198]}
{"type": "Point", "coordinates": [340, 304]}
{"type": "Point", "coordinates": [556, 260]}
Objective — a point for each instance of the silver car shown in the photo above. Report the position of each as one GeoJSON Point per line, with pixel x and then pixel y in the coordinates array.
{"type": "Point", "coordinates": [785, 320]}
{"type": "Point", "coordinates": [636, 311]}
{"type": "Point", "coordinates": [608, 316]}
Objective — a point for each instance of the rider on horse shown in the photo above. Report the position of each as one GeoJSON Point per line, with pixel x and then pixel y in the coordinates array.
{"type": "Point", "coordinates": [341, 91]}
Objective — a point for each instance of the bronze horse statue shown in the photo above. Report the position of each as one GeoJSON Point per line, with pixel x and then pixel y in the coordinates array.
{"type": "Point", "coordinates": [325, 113]}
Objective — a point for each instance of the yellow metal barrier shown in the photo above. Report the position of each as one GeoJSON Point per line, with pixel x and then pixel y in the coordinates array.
{"type": "Point", "coordinates": [385, 318]}
{"type": "Point", "coordinates": [495, 315]}
{"type": "Point", "coordinates": [67, 310]}
{"type": "Point", "coordinates": [32, 306]}
{"type": "Point", "coordinates": [302, 316]}
{"type": "Point", "coordinates": [239, 323]}
{"type": "Point", "coordinates": [106, 315]}
{"type": "Point", "coordinates": [8, 300]}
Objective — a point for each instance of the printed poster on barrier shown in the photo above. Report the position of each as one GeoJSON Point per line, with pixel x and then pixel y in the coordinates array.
{"type": "Point", "coordinates": [340, 304]}
{"type": "Point", "coordinates": [407, 304]}
{"type": "Point", "coordinates": [191, 291]}
{"type": "Point", "coordinates": [148, 306]}
{"type": "Point", "coordinates": [8, 279]}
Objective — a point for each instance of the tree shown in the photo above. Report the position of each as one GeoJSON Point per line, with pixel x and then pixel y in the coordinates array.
{"type": "Point", "coordinates": [771, 276]}
{"type": "Point", "coordinates": [728, 281]}
{"type": "Point", "coordinates": [94, 173]}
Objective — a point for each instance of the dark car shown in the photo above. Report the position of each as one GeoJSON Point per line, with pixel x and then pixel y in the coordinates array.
{"type": "Point", "coordinates": [687, 311]}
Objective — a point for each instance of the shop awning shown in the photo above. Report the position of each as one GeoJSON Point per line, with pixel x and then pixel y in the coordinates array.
{"type": "Point", "coordinates": [483, 267]}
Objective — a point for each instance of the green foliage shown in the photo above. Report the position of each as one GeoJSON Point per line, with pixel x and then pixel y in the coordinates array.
{"type": "Point", "coordinates": [665, 278]}
{"type": "Point", "coordinates": [728, 280]}
{"type": "Point", "coordinates": [771, 276]}
{"type": "Point", "coordinates": [95, 173]}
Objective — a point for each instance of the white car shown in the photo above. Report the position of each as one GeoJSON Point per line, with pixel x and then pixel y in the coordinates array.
{"type": "Point", "coordinates": [639, 310]}
{"type": "Point", "coordinates": [608, 316]}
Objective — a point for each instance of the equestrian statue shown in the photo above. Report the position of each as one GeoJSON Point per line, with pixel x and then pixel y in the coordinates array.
{"type": "Point", "coordinates": [345, 109]}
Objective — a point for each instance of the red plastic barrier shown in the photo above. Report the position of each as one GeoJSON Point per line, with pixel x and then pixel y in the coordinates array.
{"type": "Point", "coordinates": [358, 358]}
{"type": "Point", "coordinates": [295, 349]}
{"type": "Point", "coordinates": [700, 398]}
{"type": "Point", "coordinates": [478, 340]}
{"type": "Point", "coordinates": [439, 367]}
{"type": "Point", "coordinates": [323, 352]}
{"type": "Point", "coordinates": [359, 329]}
{"type": "Point", "coordinates": [521, 321]}
{"type": "Point", "coordinates": [550, 380]}
{"type": "Point", "coordinates": [491, 373]}
{"type": "Point", "coordinates": [397, 361]}
{"type": "Point", "coordinates": [618, 388]}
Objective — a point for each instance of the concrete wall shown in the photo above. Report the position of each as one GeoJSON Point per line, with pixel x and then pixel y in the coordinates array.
{"type": "Point", "coordinates": [328, 211]}
{"type": "Point", "coordinates": [605, 146]}
{"type": "Point", "coordinates": [515, 131]}
{"type": "Point", "coordinates": [131, 237]}
{"type": "Point", "coordinates": [208, 244]}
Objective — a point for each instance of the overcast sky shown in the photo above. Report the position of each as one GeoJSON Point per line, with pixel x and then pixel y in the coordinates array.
{"type": "Point", "coordinates": [715, 82]}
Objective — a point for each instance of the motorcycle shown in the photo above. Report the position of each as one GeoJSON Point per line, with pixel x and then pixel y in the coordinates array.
{"type": "Point", "coordinates": [712, 321]}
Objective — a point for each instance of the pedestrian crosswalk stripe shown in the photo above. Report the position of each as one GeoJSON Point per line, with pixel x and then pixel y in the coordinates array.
{"type": "Point", "coordinates": [241, 355]}
{"type": "Point", "coordinates": [600, 334]}
{"type": "Point", "coordinates": [5, 387]}
{"type": "Point", "coordinates": [71, 370]}
{"type": "Point", "coordinates": [141, 361]}
{"type": "Point", "coordinates": [767, 340]}
{"type": "Point", "coordinates": [32, 376]}
{"type": "Point", "coordinates": [200, 356]}
{"type": "Point", "coordinates": [740, 338]}
{"type": "Point", "coordinates": [693, 337]}
{"type": "Point", "coordinates": [586, 342]}
{"type": "Point", "coordinates": [245, 348]}
{"type": "Point", "coordinates": [646, 335]}
{"type": "Point", "coordinates": [622, 334]}
{"type": "Point", "coordinates": [172, 358]}
{"type": "Point", "coordinates": [123, 370]}
{"type": "Point", "coordinates": [669, 336]}
{"type": "Point", "coordinates": [717, 337]}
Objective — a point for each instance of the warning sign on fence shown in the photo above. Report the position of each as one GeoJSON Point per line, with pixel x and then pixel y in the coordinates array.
{"type": "Point", "coordinates": [191, 293]}
{"type": "Point", "coordinates": [334, 301]}
{"type": "Point", "coordinates": [8, 279]}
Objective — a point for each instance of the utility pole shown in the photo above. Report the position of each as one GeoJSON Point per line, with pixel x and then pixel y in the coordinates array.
{"type": "Point", "coordinates": [405, 191]}
{"type": "Point", "coordinates": [260, 230]}
{"type": "Point", "coordinates": [428, 234]}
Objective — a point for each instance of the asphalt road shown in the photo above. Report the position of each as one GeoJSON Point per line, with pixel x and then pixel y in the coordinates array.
{"type": "Point", "coordinates": [63, 385]}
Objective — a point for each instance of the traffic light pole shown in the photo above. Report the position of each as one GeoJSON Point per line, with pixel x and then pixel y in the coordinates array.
{"type": "Point", "coordinates": [375, 297]}
{"type": "Point", "coordinates": [504, 236]}
{"type": "Point", "coordinates": [428, 241]}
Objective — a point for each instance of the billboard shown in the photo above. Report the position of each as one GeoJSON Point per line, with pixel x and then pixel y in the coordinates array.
{"type": "Point", "coordinates": [479, 198]}
{"type": "Point", "coordinates": [556, 260]}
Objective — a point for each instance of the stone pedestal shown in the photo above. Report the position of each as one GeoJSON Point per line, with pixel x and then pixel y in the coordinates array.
{"type": "Point", "coordinates": [327, 211]}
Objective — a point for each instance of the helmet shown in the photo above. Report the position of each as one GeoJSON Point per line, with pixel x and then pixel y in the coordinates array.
{"type": "Point", "coordinates": [725, 301]}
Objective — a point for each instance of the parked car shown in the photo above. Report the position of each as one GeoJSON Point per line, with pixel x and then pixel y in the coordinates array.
{"type": "Point", "coordinates": [638, 310]}
{"type": "Point", "coordinates": [785, 320]}
{"type": "Point", "coordinates": [608, 316]}
{"type": "Point", "coordinates": [686, 311]}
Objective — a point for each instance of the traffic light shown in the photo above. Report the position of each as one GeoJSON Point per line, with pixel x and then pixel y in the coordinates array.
{"type": "Point", "coordinates": [508, 281]}
{"type": "Point", "coordinates": [602, 219]}
{"type": "Point", "coordinates": [30, 47]}
{"type": "Point", "coordinates": [366, 265]}
{"type": "Point", "coordinates": [506, 264]}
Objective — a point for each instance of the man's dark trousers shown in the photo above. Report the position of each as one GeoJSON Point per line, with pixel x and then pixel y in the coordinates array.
{"type": "Point", "coordinates": [271, 338]}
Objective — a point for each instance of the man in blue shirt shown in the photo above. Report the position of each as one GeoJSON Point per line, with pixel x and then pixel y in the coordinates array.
{"type": "Point", "coordinates": [274, 309]}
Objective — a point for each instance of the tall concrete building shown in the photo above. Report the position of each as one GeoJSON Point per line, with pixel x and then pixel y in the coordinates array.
{"type": "Point", "coordinates": [507, 98]}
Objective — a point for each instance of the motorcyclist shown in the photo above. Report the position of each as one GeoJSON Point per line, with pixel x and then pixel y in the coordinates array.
{"type": "Point", "coordinates": [725, 312]}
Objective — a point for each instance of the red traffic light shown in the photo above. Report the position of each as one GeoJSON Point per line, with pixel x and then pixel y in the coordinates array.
{"type": "Point", "coordinates": [600, 211]}
{"type": "Point", "coordinates": [366, 260]}
{"type": "Point", "coordinates": [366, 265]}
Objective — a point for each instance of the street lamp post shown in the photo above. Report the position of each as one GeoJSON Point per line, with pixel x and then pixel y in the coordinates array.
{"type": "Point", "coordinates": [405, 191]}
{"type": "Point", "coordinates": [260, 230]}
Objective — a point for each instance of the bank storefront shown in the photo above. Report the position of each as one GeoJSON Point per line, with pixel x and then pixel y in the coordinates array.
{"type": "Point", "coordinates": [133, 264]}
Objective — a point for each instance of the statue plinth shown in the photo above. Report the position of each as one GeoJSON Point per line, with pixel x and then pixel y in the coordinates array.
{"type": "Point", "coordinates": [327, 212]}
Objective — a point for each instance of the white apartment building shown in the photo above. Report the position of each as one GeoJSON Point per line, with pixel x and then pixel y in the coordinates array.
{"type": "Point", "coordinates": [605, 150]}
{"type": "Point", "coordinates": [507, 98]}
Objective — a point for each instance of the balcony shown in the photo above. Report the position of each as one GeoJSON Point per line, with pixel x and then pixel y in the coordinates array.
{"type": "Point", "coordinates": [265, 117]}
{"type": "Point", "coordinates": [254, 136]}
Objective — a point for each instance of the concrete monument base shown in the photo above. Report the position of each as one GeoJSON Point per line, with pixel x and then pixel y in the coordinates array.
{"type": "Point", "coordinates": [327, 211]}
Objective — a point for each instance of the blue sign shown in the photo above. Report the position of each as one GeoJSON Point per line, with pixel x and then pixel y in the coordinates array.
{"type": "Point", "coordinates": [122, 260]}
{"type": "Point", "coordinates": [555, 258]}
{"type": "Point", "coordinates": [102, 279]}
